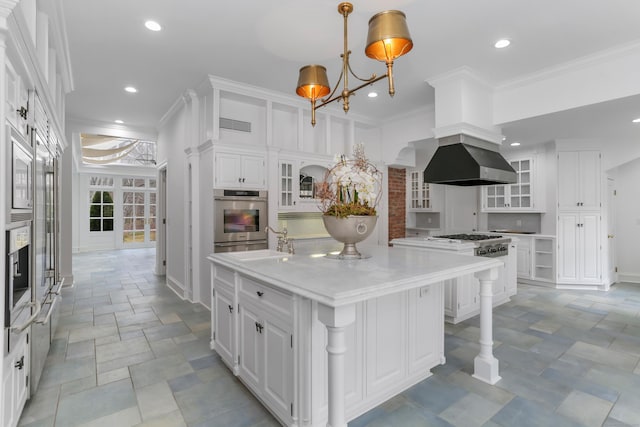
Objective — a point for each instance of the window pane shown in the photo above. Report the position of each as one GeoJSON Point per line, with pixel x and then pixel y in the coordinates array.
{"type": "Point", "coordinates": [152, 198]}
{"type": "Point", "coordinates": [139, 198]}
{"type": "Point", "coordinates": [127, 236]}
{"type": "Point", "coordinates": [127, 210]}
{"type": "Point", "coordinates": [152, 236]}
{"type": "Point", "coordinates": [107, 197]}
{"type": "Point", "coordinates": [139, 182]}
{"type": "Point", "coordinates": [127, 182]}
{"type": "Point", "coordinates": [139, 210]}
{"type": "Point", "coordinates": [107, 211]}
{"type": "Point", "coordinates": [127, 197]}
{"type": "Point", "coordinates": [152, 210]}
{"type": "Point", "coordinates": [107, 225]}
{"type": "Point", "coordinates": [94, 197]}
{"type": "Point", "coordinates": [128, 224]}
{"type": "Point", "coordinates": [152, 223]}
{"type": "Point", "coordinates": [152, 183]}
{"type": "Point", "coordinates": [94, 225]}
{"type": "Point", "coordinates": [139, 224]}
{"type": "Point", "coordinates": [94, 211]}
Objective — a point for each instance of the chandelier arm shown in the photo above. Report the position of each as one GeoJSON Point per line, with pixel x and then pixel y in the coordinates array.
{"type": "Point", "coordinates": [370, 79]}
{"type": "Point", "coordinates": [337, 97]}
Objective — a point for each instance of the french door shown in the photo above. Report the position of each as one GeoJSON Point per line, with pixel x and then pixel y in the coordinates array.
{"type": "Point", "coordinates": [138, 212]}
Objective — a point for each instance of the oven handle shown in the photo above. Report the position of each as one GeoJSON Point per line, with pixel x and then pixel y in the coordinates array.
{"type": "Point", "coordinates": [48, 316]}
{"type": "Point", "coordinates": [34, 316]}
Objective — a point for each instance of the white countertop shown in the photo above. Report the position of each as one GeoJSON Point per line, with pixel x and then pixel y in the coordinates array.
{"type": "Point", "coordinates": [502, 233]}
{"type": "Point", "coordinates": [340, 282]}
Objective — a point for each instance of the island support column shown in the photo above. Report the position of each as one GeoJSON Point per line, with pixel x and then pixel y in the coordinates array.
{"type": "Point", "coordinates": [336, 319]}
{"type": "Point", "coordinates": [485, 364]}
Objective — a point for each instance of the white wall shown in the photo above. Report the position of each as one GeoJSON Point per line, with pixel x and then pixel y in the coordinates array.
{"type": "Point", "coordinates": [170, 149]}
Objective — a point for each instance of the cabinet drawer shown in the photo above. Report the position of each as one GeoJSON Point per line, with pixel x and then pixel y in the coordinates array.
{"type": "Point", "coordinates": [266, 295]}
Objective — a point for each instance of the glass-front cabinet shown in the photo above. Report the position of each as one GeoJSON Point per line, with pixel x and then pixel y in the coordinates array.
{"type": "Point", "coordinates": [297, 182]}
{"type": "Point", "coordinates": [518, 196]}
{"type": "Point", "coordinates": [419, 191]}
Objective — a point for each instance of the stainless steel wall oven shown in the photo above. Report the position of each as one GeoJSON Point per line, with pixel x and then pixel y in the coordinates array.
{"type": "Point", "coordinates": [239, 220]}
{"type": "Point", "coordinates": [17, 309]}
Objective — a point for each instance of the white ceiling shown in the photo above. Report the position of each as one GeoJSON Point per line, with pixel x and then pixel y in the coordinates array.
{"type": "Point", "coordinates": [264, 43]}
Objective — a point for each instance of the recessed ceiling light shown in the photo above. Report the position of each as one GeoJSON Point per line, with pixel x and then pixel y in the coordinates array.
{"type": "Point", "coordinates": [131, 89]}
{"type": "Point", "coordinates": [118, 121]}
{"type": "Point", "coordinates": [372, 94]}
{"type": "Point", "coordinates": [515, 144]}
{"type": "Point", "coordinates": [152, 25]}
{"type": "Point", "coordinates": [636, 120]}
{"type": "Point", "coordinates": [502, 43]}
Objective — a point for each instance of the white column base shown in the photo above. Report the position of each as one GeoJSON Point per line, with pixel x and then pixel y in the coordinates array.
{"type": "Point", "coordinates": [486, 370]}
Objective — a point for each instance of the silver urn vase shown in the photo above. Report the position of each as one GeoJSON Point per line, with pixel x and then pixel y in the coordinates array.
{"type": "Point", "coordinates": [350, 230]}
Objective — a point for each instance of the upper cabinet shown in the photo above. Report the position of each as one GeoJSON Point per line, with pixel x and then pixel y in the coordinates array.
{"type": "Point", "coordinates": [239, 170]}
{"type": "Point", "coordinates": [17, 100]}
{"type": "Point", "coordinates": [522, 196]}
{"type": "Point", "coordinates": [579, 180]}
{"type": "Point", "coordinates": [422, 196]}
{"type": "Point", "coordinates": [297, 183]}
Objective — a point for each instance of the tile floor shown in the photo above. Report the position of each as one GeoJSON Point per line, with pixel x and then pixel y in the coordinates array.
{"type": "Point", "coordinates": [129, 352]}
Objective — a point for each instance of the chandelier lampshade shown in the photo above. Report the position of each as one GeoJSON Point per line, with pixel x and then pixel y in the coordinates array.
{"type": "Point", "coordinates": [313, 82]}
{"type": "Point", "coordinates": [388, 36]}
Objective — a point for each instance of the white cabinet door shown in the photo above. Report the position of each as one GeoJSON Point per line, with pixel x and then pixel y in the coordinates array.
{"type": "Point", "coordinates": [278, 362]}
{"type": "Point", "coordinates": [579, 247]}
{"type": "Point", "coordinates": [589, 247]}
{"type": "Point", "coordinates": [224, 326]}
{"type": "Point", "coordinates": [426, 343]}
{"type": "Point", "coordinates": [579, 180]}
{"type": "Point", "coordinates": [510, 272]}
{"type": "Point", "coordinates": [568, 247]}
{"type": "Point", "coordinates": [250, 348]}
{"type": "Point", "coordinates": [420, 195]}
{"type": "Point", "coordinates": [524, 258]}
{"type": "Point", "coordinates": [228, 170]}
{"type": "Point", "coordinates": [386, 319]}
{"type": "Point", "coordinates": [253, 172]}
{"type": "Point", "coordinates": [15, 389]}
{"type": "Point", "coordinates": [286, 187]}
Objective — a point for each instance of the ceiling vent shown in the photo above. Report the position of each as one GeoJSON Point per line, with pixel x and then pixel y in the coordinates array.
{"type": "Point", "coordinates": [235, 125]}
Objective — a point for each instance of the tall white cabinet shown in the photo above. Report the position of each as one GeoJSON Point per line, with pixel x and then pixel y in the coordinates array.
{"type": "Point", "coordinates": [579, 256]}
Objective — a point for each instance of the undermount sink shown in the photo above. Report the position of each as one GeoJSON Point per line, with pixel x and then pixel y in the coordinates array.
{"type": "Point", "coordinates": [259, 254]}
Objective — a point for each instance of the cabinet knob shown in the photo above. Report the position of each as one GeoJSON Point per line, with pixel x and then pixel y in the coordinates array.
{"type": "Point", "coordinates": [230, 309]}
{"type": "Point", "coordinates": [610, 236]}
{"type": "Point", "coordinates": [259, 293]}
{"type": "Point", "coordinates": [20, 363]}
{"type": "Point", "coordinates": [239, 179]}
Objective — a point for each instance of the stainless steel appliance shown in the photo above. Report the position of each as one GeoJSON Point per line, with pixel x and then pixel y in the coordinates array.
{"type": "Point", "coordinates": [19, 177]}
{"type": "Point", "coordinates": [239, 220]}
{"type": "Point", "coordinates": [487, 245]}
{"type": "Point", "coordinates": [18, 313]}
{"type": "Point", "coordinates": [46, 288]}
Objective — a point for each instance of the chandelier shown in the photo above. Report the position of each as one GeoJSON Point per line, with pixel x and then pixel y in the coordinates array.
{"type": "Point", "coordinates": [388, 39]}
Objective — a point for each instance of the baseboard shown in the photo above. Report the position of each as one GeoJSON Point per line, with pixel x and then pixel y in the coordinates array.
{"type": "Point", "coordinates": [629, 277]}
{"type": "Point", "coordinates": [176, 287]}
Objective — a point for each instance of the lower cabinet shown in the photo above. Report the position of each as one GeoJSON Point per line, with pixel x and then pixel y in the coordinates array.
{"type": "Point", "coordinates": [579, 248]}
{"type": "Point", "coordinates": [524, 258]}
{"type": "Point", "coordinates": [15, 386]}
{"type": "Point", "coordinates": [275, 343]}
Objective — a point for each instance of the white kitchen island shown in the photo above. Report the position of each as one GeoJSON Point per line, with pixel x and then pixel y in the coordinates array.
{"type": "Point", "coordinates": [320, 341]}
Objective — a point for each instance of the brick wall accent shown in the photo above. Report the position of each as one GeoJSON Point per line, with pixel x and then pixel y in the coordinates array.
{"type": "Point", "coordinates": [397, 202]}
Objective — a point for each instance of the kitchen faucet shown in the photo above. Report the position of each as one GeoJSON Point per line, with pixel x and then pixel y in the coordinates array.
{"type": "Point", "coordinates": [283, 240]}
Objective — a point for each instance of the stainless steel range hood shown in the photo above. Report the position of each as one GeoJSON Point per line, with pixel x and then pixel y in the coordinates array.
{"type": "Point", "coordinates": [467, 161]}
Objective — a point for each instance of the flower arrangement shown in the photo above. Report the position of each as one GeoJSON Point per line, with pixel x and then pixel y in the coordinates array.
{"type": "Point", "coordinates": [351, 186]}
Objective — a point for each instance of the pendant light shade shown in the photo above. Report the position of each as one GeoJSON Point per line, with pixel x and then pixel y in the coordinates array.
{"type": "Point", "coordinates": [313, 82]}
{"type": "Point", "coordinates": [388, 36]}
